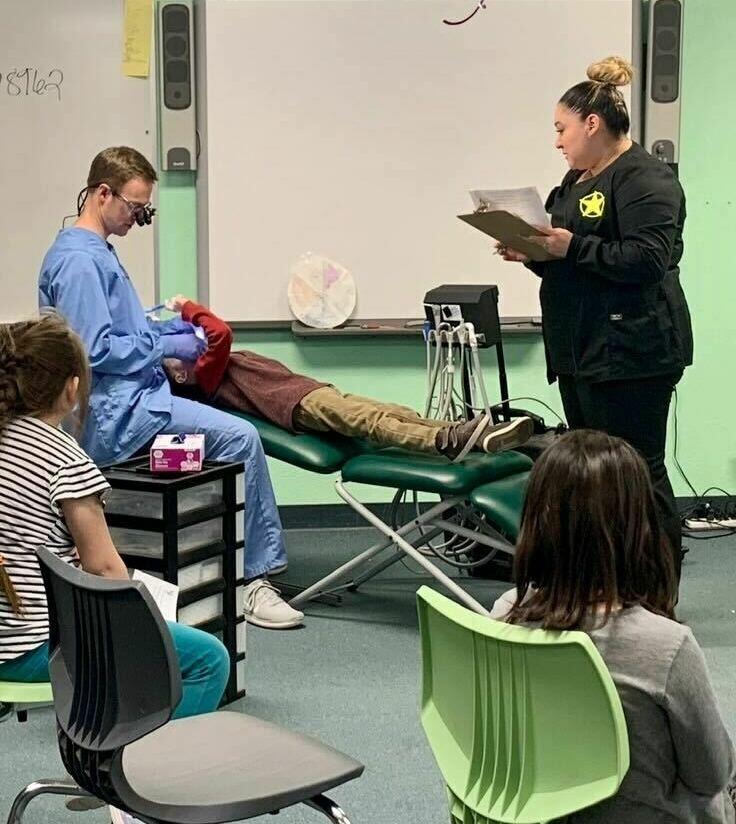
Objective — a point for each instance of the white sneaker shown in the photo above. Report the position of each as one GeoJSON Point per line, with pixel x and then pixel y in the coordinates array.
{"type": "Point", "coordinates": [506, 435]}
{"type": "Point", "coordinates": [264, 607]}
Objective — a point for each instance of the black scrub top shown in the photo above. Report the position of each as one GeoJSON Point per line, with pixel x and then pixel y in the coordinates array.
{"type": "Point", "coordinates": [613, 308]}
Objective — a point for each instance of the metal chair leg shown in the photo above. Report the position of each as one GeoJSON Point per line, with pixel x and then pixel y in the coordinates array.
{"type": "Point", "coordinates": [329, 809]}
{"type": "Point", "coordinates": [292, 590]}
{"type": "Point", "coordinates": [395, 536]}
{"type": "Point", "coordinates": [42, 787]}
{"type": "Point", "coordinates": [375, 569]}
{"type": "Point", "coordinates": [329, 582]}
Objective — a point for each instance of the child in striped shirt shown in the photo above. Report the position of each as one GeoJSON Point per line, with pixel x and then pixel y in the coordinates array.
{"type": "Point", "coordinates": [51, 495]}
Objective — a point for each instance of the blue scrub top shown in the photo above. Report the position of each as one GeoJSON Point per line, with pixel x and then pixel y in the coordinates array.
{"type": "Point", "coordinates": [130, 399]}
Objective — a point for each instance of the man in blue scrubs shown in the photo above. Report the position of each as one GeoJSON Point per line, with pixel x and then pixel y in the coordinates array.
{"type": "Point", "coordinates": [130, 402]}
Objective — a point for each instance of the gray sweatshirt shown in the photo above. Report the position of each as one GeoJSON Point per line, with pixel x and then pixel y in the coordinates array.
{"type": "Point", "coordinates": [682, 758]}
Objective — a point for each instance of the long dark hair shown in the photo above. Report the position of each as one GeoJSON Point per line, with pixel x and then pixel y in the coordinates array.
{"type": "Point", "coordinates": [599, 94]}
{"type": "Point", "coordinates": [590, 537]}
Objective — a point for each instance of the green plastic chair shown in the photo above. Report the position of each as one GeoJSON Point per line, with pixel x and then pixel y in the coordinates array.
{"type": "Point", "coordinates": [25, 694]}
{"type": "Point", "coordinates": [526, 725]}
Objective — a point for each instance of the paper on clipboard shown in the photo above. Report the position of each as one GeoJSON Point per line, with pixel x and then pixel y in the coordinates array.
{"type": "Point", "coordinates": [524, 203]}
{"type": "Point", "coordinates": [164, 594]}
{"type": "Point", "coordinates": [511, 230]}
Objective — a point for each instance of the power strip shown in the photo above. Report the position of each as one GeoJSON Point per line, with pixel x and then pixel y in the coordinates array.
{"type": "Point", "coordinates": [704, 523]}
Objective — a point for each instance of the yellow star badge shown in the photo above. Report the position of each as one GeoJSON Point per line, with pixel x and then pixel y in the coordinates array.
{"type": "Point", "coordinates": [592, 205]}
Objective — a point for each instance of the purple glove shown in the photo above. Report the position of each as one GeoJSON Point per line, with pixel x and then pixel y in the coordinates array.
{"type": "Point", "coordinates": [186, 346]}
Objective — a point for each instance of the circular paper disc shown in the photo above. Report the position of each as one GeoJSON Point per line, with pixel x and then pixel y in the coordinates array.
{"type": "Point", "coordinates": [321, 292]}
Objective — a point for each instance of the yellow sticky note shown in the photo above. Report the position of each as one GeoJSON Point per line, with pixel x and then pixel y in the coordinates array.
{"type": "Point", "coordinates": [137, 37]}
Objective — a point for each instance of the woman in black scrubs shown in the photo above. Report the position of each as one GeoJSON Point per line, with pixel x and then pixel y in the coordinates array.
{"type": "Point", "coordinates": [616, 324]}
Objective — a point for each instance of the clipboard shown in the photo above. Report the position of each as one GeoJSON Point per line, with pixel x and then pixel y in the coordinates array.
{"type": "Point", "coordinates": [511, 230]}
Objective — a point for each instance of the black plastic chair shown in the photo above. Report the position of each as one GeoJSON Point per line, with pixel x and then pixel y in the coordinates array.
{"type": "Point", "coordinates": [116, 682]}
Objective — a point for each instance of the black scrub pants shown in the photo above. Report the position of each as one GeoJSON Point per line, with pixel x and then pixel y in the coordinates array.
{"type": "Point", "coordinates": [635, 410]}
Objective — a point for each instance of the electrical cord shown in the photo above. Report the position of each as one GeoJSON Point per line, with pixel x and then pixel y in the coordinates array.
{"type": "Point", "coordinates": [445, 375]}
{"type": "Point", "coordinates": [688, 512]}
{"type": "Point", "coordinates": [433, 370]}
{"type": "Point", "coordinates": [450, 550]}
{"type": "Point", "coordinates": [529, 398]}
{"type": "Point", "coordinates": [446, 364]}
{"type": "Point", "coordinates": [720, 532]}
{"type": "Point", "coordinates": [674, 451]}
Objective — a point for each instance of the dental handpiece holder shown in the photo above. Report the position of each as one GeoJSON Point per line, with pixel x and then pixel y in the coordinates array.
{"type": "Point", "coordinates": [465, 304]}
{"type": "Point", "coordinates": [464, 316]}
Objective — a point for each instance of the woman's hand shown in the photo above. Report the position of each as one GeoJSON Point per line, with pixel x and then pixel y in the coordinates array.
{"type": "Point", "coordinates": [510, 254]}
{"type": "Point", "coordinates": [555, 242]}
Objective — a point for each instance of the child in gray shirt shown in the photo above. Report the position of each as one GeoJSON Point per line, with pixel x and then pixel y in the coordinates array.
{"type": "Point", "coordinates": [591, 556]}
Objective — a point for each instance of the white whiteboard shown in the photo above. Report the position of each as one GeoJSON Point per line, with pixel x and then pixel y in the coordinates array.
{"type": "Point", "coordinates": [72, 102]}
{"type": "Point", "coordinates": [355, 128]}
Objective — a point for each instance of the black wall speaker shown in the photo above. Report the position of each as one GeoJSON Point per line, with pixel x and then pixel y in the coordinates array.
{"type": "Point", "coordinates": [177, 122]}
{"type": "Point", "coordinates": [664, 80]}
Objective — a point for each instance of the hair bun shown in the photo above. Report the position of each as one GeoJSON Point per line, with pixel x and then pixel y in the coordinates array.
{"type": "Point", "coordinates": [614, 70]}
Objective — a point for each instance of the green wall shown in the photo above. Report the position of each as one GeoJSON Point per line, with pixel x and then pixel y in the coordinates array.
{"type": "Point", "coordinates": [394, 370]}
{"type": "Point", "coordinates": [707, 448]}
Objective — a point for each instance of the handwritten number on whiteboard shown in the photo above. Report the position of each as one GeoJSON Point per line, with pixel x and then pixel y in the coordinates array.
{"type": "Point", "coordinates": [55, 84]}
{"type": "Point", "coordinates": [13, 85]}
{"type": "Point", "coordinates": [29, 81]}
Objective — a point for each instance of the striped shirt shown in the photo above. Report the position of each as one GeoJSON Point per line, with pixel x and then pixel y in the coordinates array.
{"type": "Point", "coordinates": [40, 466]}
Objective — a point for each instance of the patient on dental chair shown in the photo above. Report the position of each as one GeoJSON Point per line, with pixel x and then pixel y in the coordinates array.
{"type": "Point", "coordinates": [251, 383]}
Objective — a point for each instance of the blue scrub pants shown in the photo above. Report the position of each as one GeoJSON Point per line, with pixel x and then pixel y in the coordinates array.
{"type": "Point", "coordinates": [204, 663]}
{"type": "Point", "coordinates": [228, 438]}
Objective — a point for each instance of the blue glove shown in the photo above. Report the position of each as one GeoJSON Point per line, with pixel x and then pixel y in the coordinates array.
{"type": "Point", "coordinates": [174, 326]}
{"type": "Point", "coordinates": [185, 346]}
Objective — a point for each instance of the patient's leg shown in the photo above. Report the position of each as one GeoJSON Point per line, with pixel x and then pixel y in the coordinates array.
{"type": "Point", "coordinates": [392, 408]}
{"type": "Point", "coordinates": [328, 410]}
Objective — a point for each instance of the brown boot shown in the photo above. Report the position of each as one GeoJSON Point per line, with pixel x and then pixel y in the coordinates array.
{"type": "Point", "coordinates": [455, 440]}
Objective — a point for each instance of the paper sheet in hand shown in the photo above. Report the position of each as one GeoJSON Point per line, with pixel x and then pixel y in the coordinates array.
{"type": "Point", "coordinates": [511, 230]}
{"type": "Point", "coordinates": [524, 203]}
{"type": "Point", "coordinates": [164, 594]}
